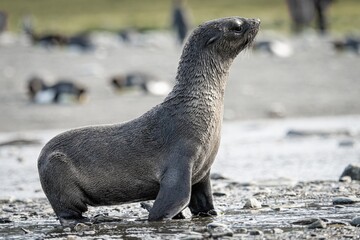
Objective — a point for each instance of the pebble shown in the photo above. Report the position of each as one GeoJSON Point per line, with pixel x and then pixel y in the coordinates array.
{"type": "Point", "coordinates": [71, 237]}
{"type": "Point", "coordinates": [273, 231]}
{"type": "Point", "coordinates": [278, 230]}
{"type": "Point", "coordinates": [256, 232]}
{"type": "Point", "coordinates": [317, 224]}
{"type": "Point", "coordinates": [305, 221]}
{"type": "Point", "coordinates": [5, 220]}
{"type": "Point", "coordinates": [345, 200]}
{"type": "Point", "coordinates": [192, 236]}
{"type": "Point", "coordinates": [346, 143]}
{"type": "Point", "coordinates": [278, 209]}
{"type": "Point", "coordinates": [291, 194]}
{"type": "Point", "coordinates": [355, 221]}
{"type": "Point", "coordinates": [104, 218]}
{"type": "Point", "coordinates": [337, 223]}
{"type": "Point", "coordinates": [80, 227]}
{"type": "Point", "coordinates": [8, 209]}
{"type": "Point", "coordinates": [319, 133]}
{"type": "Point", "coordinates": [219, 194]}
{"type": "Point", "coordinates": [219, 230]}
{"type": "Point", "coordinates": [92, 232]}
{"type": "Point", "coordinates": [242, 230]}
{"type": "Point", "coordinates": [339, 206]}
{"type": "Point", "coordinates": [252, 203]}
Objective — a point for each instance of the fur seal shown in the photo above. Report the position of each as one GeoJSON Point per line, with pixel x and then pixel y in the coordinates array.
{"type": "Point", "coordinates": [165, 154]}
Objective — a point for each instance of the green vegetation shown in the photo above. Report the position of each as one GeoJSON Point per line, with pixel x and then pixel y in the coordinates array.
{"type": "Point", "coordinates": [71, 16]}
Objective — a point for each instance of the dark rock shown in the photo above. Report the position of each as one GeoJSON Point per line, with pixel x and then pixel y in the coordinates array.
{"type": "Point", "coordinates": [219, 194]}
{"type": "Point", "coordinates": [352, 171]}
{"type": "Point", "coordinates": [278, 209]}
{"type": "Point", "coordinates": [20, 142]}
{"type": "Point", "coordinates": [5, 220]}
{"type": "Point", "coordinates": [317, 224]}
{"type": "Point", "coordinates": [256, 232]}
{"type": "Point", "coordinates": [345, 200]}
{"type": "Point", "coordinates": [319, 133]}
{"type": "Point", "coordinates": [305, 221]}
{"type": "Point", "coordinates": [355, 221]}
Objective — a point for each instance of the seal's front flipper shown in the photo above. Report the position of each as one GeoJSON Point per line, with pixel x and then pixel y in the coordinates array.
{"type": "Point", "coordinates": [201, 202]}
{"type": "Point", "coordinates": [174, 194]}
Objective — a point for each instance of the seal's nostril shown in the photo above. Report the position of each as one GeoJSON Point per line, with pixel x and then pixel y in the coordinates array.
{"type": "Point", "coordinates": [256, 21]}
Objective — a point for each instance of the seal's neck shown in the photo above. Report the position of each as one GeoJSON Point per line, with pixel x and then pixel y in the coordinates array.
{"type": "Point", "coordinates": [198, 94]}
{"type": "Point", "coordinates": [201, 77]}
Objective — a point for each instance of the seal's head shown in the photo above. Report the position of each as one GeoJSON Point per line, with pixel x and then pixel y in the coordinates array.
{"type": "Point", "coordinates": [226, 37]}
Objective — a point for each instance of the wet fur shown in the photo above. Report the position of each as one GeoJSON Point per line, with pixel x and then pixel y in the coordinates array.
{"type": "Point", "coordinates": [166, 154]}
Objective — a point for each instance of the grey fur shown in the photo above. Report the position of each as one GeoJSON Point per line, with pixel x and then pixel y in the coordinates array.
{"type": "Point", "coordinates": [166, 154]}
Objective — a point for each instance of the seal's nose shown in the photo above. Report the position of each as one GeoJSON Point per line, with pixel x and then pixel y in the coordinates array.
{"type": "Point", "coordinates": [256, 21]}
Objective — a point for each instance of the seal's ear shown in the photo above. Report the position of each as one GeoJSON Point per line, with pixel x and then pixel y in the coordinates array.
{"type": "Point", "coordinates": [212, 40]}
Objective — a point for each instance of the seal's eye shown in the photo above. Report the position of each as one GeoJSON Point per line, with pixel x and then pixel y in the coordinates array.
{"type": "Point", "coordinates": [237, 27]}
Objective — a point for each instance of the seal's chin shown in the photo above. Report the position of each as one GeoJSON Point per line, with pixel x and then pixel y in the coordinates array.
{"type": "Point", "coordinates": [250, 36]}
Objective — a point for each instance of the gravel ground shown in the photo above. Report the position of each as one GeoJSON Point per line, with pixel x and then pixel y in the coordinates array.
{"type": "Point", "coordinates": [315, 210]}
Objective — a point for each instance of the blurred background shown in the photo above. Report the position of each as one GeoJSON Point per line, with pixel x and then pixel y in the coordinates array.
{"type": "Point", "coordinates": [70, 63]}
